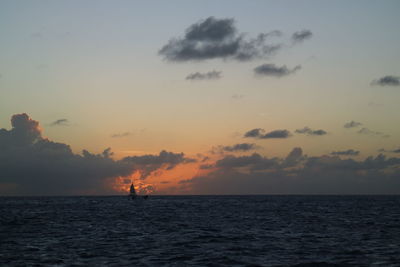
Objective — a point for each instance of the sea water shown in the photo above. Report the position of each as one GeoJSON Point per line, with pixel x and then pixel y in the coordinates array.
{"type": "Point", "coordinates": [200, 231]}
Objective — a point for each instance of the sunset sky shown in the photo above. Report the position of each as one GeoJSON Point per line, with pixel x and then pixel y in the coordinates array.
{"type": "Point", "coordinates": [199, 97]}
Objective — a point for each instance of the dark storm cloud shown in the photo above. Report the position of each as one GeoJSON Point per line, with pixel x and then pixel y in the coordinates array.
{"type": "Point", "coordinates": [307, 131]}
{"type": "Point", "coordinates": [298, 174]}
{"type": "Point", "coordinates": [60, 122]}
{"type": "Point", "coordinates": [388, 80]}
{"type": "Point", "coordinates": [211, 75]}
{"type": "Point", "coordinates": [214, 38]}
{"type": "Point", "coordinates": [366, 131]}
{"type": "Point", "coordinates": [274, 71]}
{"type": "Point", "coordinates": [260, 134]}
{"type": "Point", "coordinates": [352, 124]}
{"type": "Point", "coordinates": [33, 165]}
{"type": "Point", "coordinates": [349, 152]}
{"type": "Point", "coordinates": [120, 135]}
{"type": "Point", "coordinates": [300, 36]}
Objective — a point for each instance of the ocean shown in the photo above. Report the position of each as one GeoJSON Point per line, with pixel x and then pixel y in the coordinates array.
{"type": "Point", "coordinates": [200, 231]}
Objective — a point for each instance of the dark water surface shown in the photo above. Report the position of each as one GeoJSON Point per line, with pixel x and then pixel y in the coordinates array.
{"type": "Point", "coordinates": [201, 230]}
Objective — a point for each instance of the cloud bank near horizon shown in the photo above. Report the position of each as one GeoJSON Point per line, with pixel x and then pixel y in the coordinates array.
{"type": "Point", "coordinates": [31, 164]}
{"type": "Point", "coordinates": [298, 174]}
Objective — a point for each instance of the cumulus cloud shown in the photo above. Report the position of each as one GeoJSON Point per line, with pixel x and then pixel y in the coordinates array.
{"type": "Point", "coordinates": [60, 122]}
{"type": "Point", "coordinates": [301, 36]}
{"type": "Point", "coordinates": [307, 131]}
{"type": "Point", "coordinates": [274, 71]}
{"type": "Point", "coordinates": [352, 124]}
{"type": "Point", "coordinates": [349, 152]}
{"type": "Point", "coordinates": [211, 75]}
{"type": "Point", "coordinates": [388, 80]}
{"type": "Point", "coordinates": [214, 38]}
{"type": "Point", "coordinates": [33, 165]}
{"type": "Point", "coordinates": [260, 134]}
{"type": "Point", "coordinates": [366, 131]}
{"type": "Point", "coordinates": [298, 174]}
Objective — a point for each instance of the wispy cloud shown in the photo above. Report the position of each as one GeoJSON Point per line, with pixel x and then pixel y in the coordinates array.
{"type": "Point", "coordinates": [60, 122]}
{"type": "Point", "coordinates": [260, 134]}
{"type": "Point", "coordinates": [211, 75]}
{"type": "Point", "coordinates": [307, 131]}
{"type": "Point", "coordinates": [274, 71]}
{"type": "Point", "coordinates": [301, 36]}
{"type": "Point", "coordinates": [352, 124]}
{"type": "Point", "coordinates": [388, 80]}
{"type": "Point", "coordinates": [349, 152]}
{"type": "Point", "coordinates": [120, 135]}
{"type": "Point", "coordinates": [367, 131]}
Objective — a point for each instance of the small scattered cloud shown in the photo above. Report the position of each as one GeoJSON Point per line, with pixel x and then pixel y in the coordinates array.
{"type": "Point", "coordinates": [352, 124]}
{"type": "Point", "coordinates": [388, 80]}
{"type": "Point", "coordinates": [197, 76]}
{"type": "Point", "coordinates": [260, 134]}
{"type": "Point", "coordinates": [349, 152]}
{"type": "Point", "coordinates": [120, 135]}
{"type": "Point", "coordinates": [301, 36]}
{"type": "Point", "coordinates": [215, 38]}
{"type": "Point", "coordinates": [60, 122]}
{"type": "Point", "coordinates": [240, 147]}
{"type": "Point", "coordinates": [374, 104]}
{"type": "Point", "coordinates": [307, 131]}
{"type": "Point", "coordinates": [367, 131]}
{"type": "Point", "coordinates": [274, 71]}
{"type": "Point", "coordinates": [237, 96]}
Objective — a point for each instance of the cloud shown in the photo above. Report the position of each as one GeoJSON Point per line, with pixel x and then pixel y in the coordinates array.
{"type": "Point", "coordinates": [352, 124]}
{"type": "Point", "coordinates": [214, 38]}
{"type": "Point", "coordinates": [240, 147]}
{"type": "Point", "coordinates": [274, 71]}
{"type": "Point", "coordinates": [254, 161]}
{"type": "Point", "coordinates": [211, 75]}
{"type": "Point", "coordinates": [150, 163]}
{"type": "Point", "coordinates": [300, 36]}
{"type": "Point", "coordinates": [60, 122]}
{"type": "Point", "coordinates": [367, 131]}
{"type": "Point", "coordinates": [33, 165]}
{"type": "Point", "coordinates": [388, 80]}
{"type": "Point", "coordinates": [237, 96]}
{"type": "Point", "coordinates": [307, 131]}
{"type": "Point", "coordinates": [349, 152]}
{"type": "Point", "coordinates": [120, 135]}
{"type": "Point", "coordinates": [298, 174]}
{"type": "Point", "coordinates": [260, 134]}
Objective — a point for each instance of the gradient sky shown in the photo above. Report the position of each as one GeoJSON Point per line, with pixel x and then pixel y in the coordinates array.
{"type": "Point", "coordinates": [96, 66]}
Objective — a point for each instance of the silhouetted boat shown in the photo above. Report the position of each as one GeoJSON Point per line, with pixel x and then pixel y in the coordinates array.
{"type": "Point", "coordinates": [133, 195]}
{"type": "Point", "coordinates": [132, 192]}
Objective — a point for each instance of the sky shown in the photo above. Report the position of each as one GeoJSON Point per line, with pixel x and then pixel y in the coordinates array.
{"type": "Point", "coordinates": [199, 97]}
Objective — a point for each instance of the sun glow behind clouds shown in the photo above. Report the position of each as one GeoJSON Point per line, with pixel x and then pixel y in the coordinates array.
{"type": "Point", "coordinates": [161, 181]}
